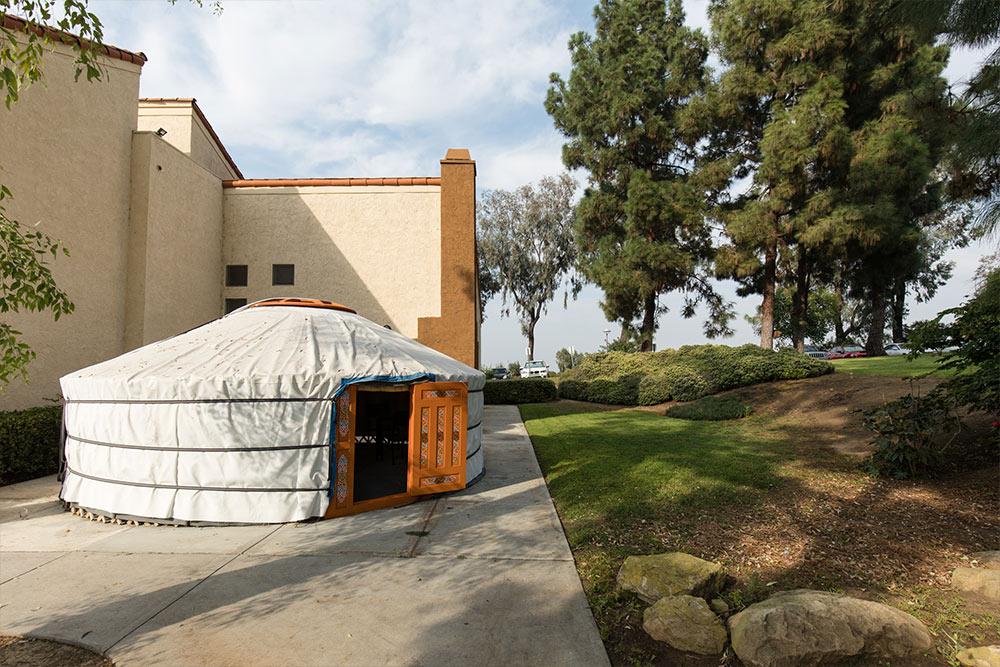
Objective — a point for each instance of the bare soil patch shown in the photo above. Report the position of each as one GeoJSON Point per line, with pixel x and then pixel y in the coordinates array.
{"type": "Point", "coordinates": [31, 652]}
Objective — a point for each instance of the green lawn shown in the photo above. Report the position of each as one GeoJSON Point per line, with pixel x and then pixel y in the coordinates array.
{"type": "Point", "coordinates": [889, 366]}
{"type": "Point", "coordinates": [626, 481]}
{"type": "Point", "coordinates": [759, 494]}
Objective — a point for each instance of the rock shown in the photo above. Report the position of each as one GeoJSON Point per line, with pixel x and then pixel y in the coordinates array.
{"type": "Point", "coordinates": [685, 623]}
{"type": "Point", "coordinates": [804, 627]}
{"type": "Point", "coordinates": [719, 606]}
{"type": "Point", "coordinates": [979, 580]}
{"type": "Point", "coordinates": [990, 559]}
{"type": "Point", "coordinates": [981, 656]}
{"type": "Point", "coordinates": [674, 573]}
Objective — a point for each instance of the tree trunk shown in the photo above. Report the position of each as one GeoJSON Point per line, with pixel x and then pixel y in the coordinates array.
{"type": "Point", "coordinates": [530, 333]}
{"type": "Point", "coordinates": [875, 346]}
{"type": "Point", "coordinates": [898, 311]}
{"type": "Point", "coordinates": [838, 317]}
{"type": "Point", "coordinates": [800, 303]}
{"type": "Point", "coordinates": [767, 302]}
{"type": "Point", "coordinates": [648, 324]}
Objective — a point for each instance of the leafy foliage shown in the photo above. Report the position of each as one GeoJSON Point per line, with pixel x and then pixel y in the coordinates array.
{"type": "Point", "coordinates": [30, 443]}
{"type": "Point", "coordinates": [567, 358]}
{"type": "Point", "coordinates": [26, 283]}
{"type": "Point", "coordinates": [633, 113]}
{"type": "Point", "coordinates": [976, 363]}
{"type": "Point", "coordinates": [911, 434]}
{"type": "Point", "coordinates": [526, 246]}
{"type": "Point", "coordinates": [687, 373]}
{"type": "Point", "coordinates": [21, 52]}
{"type": "Point", "coordinates": [519, 390]}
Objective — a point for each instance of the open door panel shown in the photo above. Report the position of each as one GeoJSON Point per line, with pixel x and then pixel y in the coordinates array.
{"type": "Point", "coordinates": [438, 422]}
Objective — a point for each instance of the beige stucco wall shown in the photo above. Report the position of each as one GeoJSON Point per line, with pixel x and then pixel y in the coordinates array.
{"type": "Point", "coordinates": [186, 133]}
{"type": "Point", "coordinates": [175, 245]}
{"type": "Point", "coordinates": [65, 151]}
{"type": "Point", "coordinates": [373, 248]}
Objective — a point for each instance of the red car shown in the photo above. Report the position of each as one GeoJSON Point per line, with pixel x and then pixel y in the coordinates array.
{"type": "Point", "coordinates": [846, 352]}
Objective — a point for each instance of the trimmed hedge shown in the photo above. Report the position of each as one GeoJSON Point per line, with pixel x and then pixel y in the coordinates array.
{"type": "Point", "coordinates": [29, 443]}
{"type": "Point", "coordinates": [685, 374]}
{"type": "Point", "coordinates": [710, 408]}
{"type": "Point", "coordinates": [519, 390]}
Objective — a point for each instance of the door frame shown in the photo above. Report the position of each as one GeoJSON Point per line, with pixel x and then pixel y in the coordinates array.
{"type": "Point", "coordinates": [342, 464]}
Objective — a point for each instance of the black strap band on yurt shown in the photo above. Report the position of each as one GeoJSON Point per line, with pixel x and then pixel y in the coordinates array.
{"type": "Point", "coordinates": [176, 487]}
{"type": "Point", "coordinates": [153, 401]}
{"type": "Point", "coordinates": [153, 448]}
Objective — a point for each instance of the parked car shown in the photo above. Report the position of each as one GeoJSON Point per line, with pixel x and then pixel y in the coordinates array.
{"type": "Point", "coordinates": [896, 350]}
{"type": "Point", "coordinates": [845, 352]}
{"type": "Point", "coordinates": [815, 352]}
{"type": "Point", "coordinates": [500, 373]}
{"type": "Point", "coordinates": [535, 369]}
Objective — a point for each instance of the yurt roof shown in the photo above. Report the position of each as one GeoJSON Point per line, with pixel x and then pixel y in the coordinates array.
{"type": "Point", "coordinates": [275, 352]}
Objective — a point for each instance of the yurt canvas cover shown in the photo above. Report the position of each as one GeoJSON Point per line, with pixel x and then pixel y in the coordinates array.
{"type": "Point", "coordinates": [237, 420]}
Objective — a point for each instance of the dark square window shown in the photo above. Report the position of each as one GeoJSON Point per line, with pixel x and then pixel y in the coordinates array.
{"type": "Point", "coordinates": [233, 304]}
{"type": "Point", "coordinates": [236, 275]}
{"type": "Point", "coordinates": [282, 274]}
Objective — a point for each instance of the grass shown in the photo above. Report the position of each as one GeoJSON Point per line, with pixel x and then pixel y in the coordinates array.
{"type": "Point", "coordinates": [711, 408]}
{"type": "Point", "coordinates": [619, 478]}
{"type": "Point", "coordinates": [758, 494]}
{"type": "Point", "coordinates": [889, 366]}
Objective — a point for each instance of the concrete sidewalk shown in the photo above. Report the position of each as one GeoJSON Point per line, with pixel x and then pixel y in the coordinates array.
{"type": "Point", "coordinates": [483, 576]}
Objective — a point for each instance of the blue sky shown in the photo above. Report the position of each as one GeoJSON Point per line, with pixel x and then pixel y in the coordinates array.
{"type": "Point", "coordinates": [298, 89]}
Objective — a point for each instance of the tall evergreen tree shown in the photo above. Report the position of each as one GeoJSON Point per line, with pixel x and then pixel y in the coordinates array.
{"type": "Point", "coordinates": [781, 114]}
{"type": "Point", "coordinates": [844, 103]}
{"type": "Point", "coordinates": [633, 111]}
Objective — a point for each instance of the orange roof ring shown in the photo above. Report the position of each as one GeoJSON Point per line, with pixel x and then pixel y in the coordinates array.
{"type": "Point", "coordinates": [302, 303]}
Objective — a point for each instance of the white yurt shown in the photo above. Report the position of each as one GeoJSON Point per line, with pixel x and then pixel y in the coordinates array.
{"type": "Point", "coordinates": [283, 410]}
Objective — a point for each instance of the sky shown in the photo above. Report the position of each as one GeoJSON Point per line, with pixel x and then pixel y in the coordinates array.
{"type": "Point", "coordinates": [325, 89]}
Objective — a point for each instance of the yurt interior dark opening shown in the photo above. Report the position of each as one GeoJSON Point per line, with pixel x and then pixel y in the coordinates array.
{"type": "Point", "coordinates": [381, 441]}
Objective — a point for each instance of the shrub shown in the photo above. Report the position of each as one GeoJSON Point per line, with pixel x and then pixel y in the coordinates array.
{"type": "Point", "coordinates": [654, 388]}
{"type": "Point", "coordinates": [711, 408]}
{"type": "Point", "coordinates": [623, 390]}
{"type": "Point", "coordinates": [29, 443]}
{"type": "Point", "coordinates": [519, 390]}
{"type": "Point", "coordinates": [911, 434]}
{"type": "Point", "coordinates": [686, 384]}
{"type": "Point", "coordinates": [684, 374]}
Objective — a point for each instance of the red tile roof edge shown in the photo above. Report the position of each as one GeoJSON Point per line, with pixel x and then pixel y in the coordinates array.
{"type": "Point", "coordinates": [342, 182]}
{"type": "Point", "coordinates": [11, 22]}
{"type": "Point", "coordinates": [204, 121]}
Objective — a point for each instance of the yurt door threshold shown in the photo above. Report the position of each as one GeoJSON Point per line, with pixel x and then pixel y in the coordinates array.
{"type": "Point", "coordinates": [394, 443]}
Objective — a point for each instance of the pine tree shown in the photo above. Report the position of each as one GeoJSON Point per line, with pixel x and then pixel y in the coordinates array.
{"type": "Point", "coordinates": [781, 114]}
{"type": "Point", "coordinates": [633, 112]}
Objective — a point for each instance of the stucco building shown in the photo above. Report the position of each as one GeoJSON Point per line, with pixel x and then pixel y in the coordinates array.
{"type": "Point", "coordinates": [165, 233]}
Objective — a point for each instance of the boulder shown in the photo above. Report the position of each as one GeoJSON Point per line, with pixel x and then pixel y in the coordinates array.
{"type": "Point", "coordinates": [804, 627]}
{"type": "Point", "coordinates": [979, 580]}
{"type": "Point", "coordinates": [981, 656]}
{"type": "Point", "coordinates": [687, 624]}
{"type": "Point", "coordinates": [719, 606]}
{"type": "Point", "coordinates": [674, 573]}
{"type": "Point", "coordinates": [990, 559]}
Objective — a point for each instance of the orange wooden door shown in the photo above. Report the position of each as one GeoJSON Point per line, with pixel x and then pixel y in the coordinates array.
{"type": "Point", "coordinates": [343, 451]}
{"type": "Point", "coordinates": [438, 421]}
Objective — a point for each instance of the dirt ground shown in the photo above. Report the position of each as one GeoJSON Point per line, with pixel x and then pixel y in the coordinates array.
{"type": "Point", "coordinates": [29, 652]}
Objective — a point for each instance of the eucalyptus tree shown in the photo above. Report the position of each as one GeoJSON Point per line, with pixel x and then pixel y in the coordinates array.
{"type": "Point", "coordinates": [526, 247]}
{"type": "Point", "coordinates": [633, 111]}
